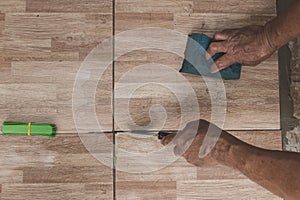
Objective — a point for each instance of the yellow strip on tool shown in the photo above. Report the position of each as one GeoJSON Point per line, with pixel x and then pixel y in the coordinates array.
{"type": "Point", "coordinates": [28, 130]}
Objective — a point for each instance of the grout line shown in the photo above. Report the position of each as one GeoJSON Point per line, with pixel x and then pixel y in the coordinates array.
{"type": "Point", "coordinates": [114, 132]}
{"type": "Point", "coordinates": [113, 101]}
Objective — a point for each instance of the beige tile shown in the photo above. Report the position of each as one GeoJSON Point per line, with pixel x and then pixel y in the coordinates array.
{"type": "Point", "coordinates": [50, 168]}
{"type": "Point", "coordinates": [217, 182]}
{"type": "Point", "coordinates": [235, 6]}
{"type": "Point", "coordinates": [101, 6]}
{"type": "Point", "coordinates": [12, 6]}
{"type": "Point", "coordinates": [211, 22]}
{"type": "Point", "coordinates": [164, 6]}
{"type": "Point", "coordinates": [55, 191]}
{"type": "Point", "coordinates": [222, 189]}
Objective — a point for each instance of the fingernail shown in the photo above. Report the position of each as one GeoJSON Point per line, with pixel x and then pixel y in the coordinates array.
{"type": "Point", "coordinates": [214, 69]}
{"type": "Point", "coordinates": [219, 64]}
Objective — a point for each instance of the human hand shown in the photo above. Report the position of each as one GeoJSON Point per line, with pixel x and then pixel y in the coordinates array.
{"type": "Point", "coordinates": [249, 45]}
{"type": "Point", "coordinates": [188, 144]}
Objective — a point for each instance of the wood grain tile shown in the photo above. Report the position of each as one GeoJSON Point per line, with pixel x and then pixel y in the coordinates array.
{"type": "Point", "coordinates": [216, 182]}
{"type": "Point", "coordinates": [11, 176]}
{"type": "Point", "coordinates": [235, 6]}
{"type": "Point", "coordinates": [12, 6]}
{"type": "Point", "coordinates": [89, 6]}
{"type": "Point", "coordinates": [42, 48]}
{"type": "Point", "coordinates": [211, 22]}
{"type": "Point", "coordinates": [43, 168]}
{"type": "Point", "coordinates": [61, 75]}
{"type": "Point", "coordinates": [40, 56]}
{"type": "Point", "coordinates": [147, 190]}
{"type": "Point", "coordinates": [2, 16]}
{"type": "Point", "coordinates": [222, 189]}
{"type": "Point", "coordinates": [36, 101]}
{"type": "Point", "coordinates": [21, 151]}
{"type": "Point", "coordinates": [247, 109]}
{"type": "Point", "coordinates": [42, 45]}
{"type": "Point", "coordinates": [68, 33]}
{"type": "Point", "coordinates": [56, 191]}
{"type": "Point", "coordinates": [145, 145]}
{"type": "Point", "coordinates": [261, 100]}
{"type": "Point", "coordinates": [2, 22]}
{"type": "Point", "coordinates": [142, 20]}
{"type": "Point", "coordinates": [5, 75]}
{"type": "Point", "coordinates": [50, 25]}
{"type": "Point", "coordinates": [15, 45]}
{"type": "Point", "coordinates": [67, 174]}
{"type": "Point", "coordinates": [147, 6]}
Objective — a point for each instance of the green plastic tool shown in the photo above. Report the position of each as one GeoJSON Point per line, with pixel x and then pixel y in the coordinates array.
{"type": "Point", "coordinates": [28, 128]}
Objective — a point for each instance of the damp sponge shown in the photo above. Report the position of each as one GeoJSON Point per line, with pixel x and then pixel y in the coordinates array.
{"type": "Point", "coordinates": [195, 61]}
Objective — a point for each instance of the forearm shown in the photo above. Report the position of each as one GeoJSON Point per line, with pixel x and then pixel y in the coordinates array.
{"type": "Point", "coordinates": [284, 27]}
{"type": "Point", "coordinates": [277, 171]}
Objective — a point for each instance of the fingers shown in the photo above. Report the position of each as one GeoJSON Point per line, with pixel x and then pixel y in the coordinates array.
{"type": "Point", "coordinates": [178, 138]}
{"type": "Point", "coordinates": [216, 47]}
{"type": "Point", "coordinates": [183, 139]}
{"type": "Point", "coordinates": [166, 140]}
{"type": "Point", "coordinates": [181, 149]}
{"type": "Point", "coordinates": [222, 44]}
{"type": "Point", "coordinates": [225, 34]}
{"type": "Point", "coordinates": [178, 150]}
{"type": "Point", "coordinates": [221, 36]}
{"type": "Point", "coordinates": [222, 63]}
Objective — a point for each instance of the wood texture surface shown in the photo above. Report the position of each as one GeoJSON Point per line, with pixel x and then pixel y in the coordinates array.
{"type": "Point", "coordinates": [251, 108]}
{"type": "Point", "coordinates": [209, 23]}
{"type": "Point", "coordinates": [248, 108]}
{"type": "Point", "coordinates": [80, 6]}
{"type": "Point", "coordinates": [12, 6]}
{"type": "Point", "coordinates": [147, 6]}
{"type": "Point", "coordinates": [43, 44]}
{"type": "Point", "coordinates": [49, 40]}
{"type": "Point", "coordinates": [235, 6]}
{"type": "Point", "coordinates": [254, 107]}
{"type": "Point", "coordinates": [189, 182]}
{"type": "Point", "coordinates": [51, 168]}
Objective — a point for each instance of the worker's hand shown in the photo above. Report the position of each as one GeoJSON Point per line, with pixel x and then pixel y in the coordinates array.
{"type": "Point", "coordinates": [248, 45]}
{"type": "Point", "coordinates": [188, 145]}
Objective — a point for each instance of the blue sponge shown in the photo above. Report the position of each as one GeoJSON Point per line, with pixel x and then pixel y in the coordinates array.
{"type": "Point", "coordinates": [195, 61]}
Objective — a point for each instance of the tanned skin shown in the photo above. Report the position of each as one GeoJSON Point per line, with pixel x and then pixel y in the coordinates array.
{"type": "Point", "coordinates": [251, 45]}
{"type": "Point", "coordinates": [277, 171]}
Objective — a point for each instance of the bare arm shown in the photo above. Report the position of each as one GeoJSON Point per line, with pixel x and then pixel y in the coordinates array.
{"type": "Point", "coordinates": [277, 171]}
{"type": "Point", "coordinates": [251, 45]}
{"type": "Point", "coordinates": [285, 27]}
